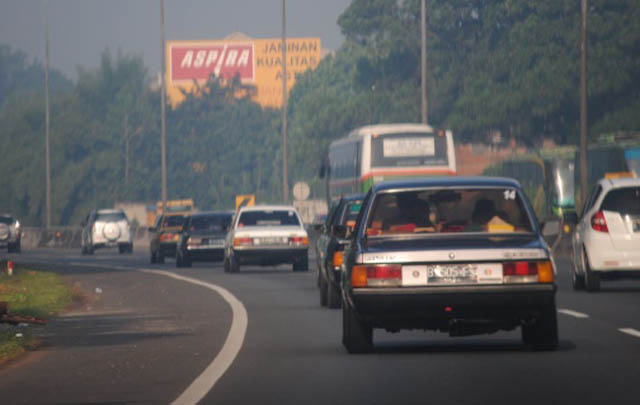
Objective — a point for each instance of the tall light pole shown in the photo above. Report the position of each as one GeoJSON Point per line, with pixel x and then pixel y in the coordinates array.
{"type": "Point", "coordinates": [46, 113]}
{"type": "Point", "coordinates": [423, 25]}
{"type": "Point", "coordinates": [583, 103]}
{"type": "Point", "coordinates": [285, 175]}
{"type": "Point", "coordinates": [163, 102]}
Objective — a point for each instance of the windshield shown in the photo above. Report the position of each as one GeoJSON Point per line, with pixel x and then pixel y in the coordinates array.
{"type": "Point", "coordinates": [625, 201]}
{"type": "Point", "coordinates": [408, 149]}
{"type": "Point", "coordinates": [350, 213]}
{"type": "Point", "coordinates": [173, 220]}
{"type": "Point", "coordinates": [268, 218]}
{"type": "Point", "coordinates": [210, 222]}
{"type": "Point", "coordinates": [498, 210]}
{"type": "Point", "coordinates": [111, 216]}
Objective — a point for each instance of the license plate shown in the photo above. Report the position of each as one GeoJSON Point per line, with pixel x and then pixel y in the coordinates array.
{"type": "Point", "coordinates": [271, 241]}
{"type": "Point", "coordinates": [213, 242]}
{"type": "Point", "coordinates": [452, 274]}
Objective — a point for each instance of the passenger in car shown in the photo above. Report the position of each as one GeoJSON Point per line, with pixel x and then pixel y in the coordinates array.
{"type": "Point", "coordinates": [412, 215]}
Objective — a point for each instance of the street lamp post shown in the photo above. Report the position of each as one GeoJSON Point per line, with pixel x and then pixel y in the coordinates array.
{"type": "Point", "coordinates": [46, 115]}
{"type": "Point", "coordinates": [163, 113]}
{"type": "Point", "coordinates": [583, 103]}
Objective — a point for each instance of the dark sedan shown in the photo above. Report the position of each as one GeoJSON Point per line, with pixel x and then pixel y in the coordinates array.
{"type": "Point", "coordinates": [458, 255]}
{"type": "Point", "coordinates": [202, 237]}
{"type": "Point", "coordinates": [330, 249]}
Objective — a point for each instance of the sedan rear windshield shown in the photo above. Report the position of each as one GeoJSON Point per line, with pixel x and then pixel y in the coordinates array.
{"type": "Point", "coordinates": [495, 210]}
{"type": "Point", "coordinates": [111, 216]}
{"type": "Point", "coordinates": [210, 222]}
{"type": "Point", "coordinates": [351, 213]}
{"type": "Point", "coordinates": [268, 218]}
{"type": "Point", "coordinates": [625, 201]}
{"type": "Point", "coordinates": [173, 220]}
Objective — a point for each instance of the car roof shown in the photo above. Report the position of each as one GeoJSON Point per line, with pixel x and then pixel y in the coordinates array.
{"type": "Point", "coordinates": [109, 211]}
{"type": "Point", "coordinates": [211, 213]}
{"type": "Point", "coordinates": [352, 197]}
{"type": "Point", "coordinates": [390, 128]}
{"type": "Point", "coordinates": [619, 182]}
{"type": "Point", "coordinates": [268, 208]}
{"type": "Point", "coordinates": [451, 181]}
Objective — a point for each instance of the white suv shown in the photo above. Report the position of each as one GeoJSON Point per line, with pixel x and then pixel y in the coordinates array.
{"type": "Point", "coordinates": [607, 238]}
{"type": "Point", "coordinates": [106, 228]}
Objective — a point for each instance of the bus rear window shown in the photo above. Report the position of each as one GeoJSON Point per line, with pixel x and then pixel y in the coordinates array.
{"type": "Point", "coordinates": [408, 149]}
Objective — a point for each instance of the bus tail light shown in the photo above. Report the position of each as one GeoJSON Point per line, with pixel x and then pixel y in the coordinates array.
{"type": "Point", "coordinates": [527, 272]}
{"type": "Point", "coordinates": [242, 241]}
{"type": "Point", "coordinates": [386, 275]}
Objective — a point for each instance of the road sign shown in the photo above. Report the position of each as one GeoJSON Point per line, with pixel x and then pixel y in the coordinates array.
{"type": "Point", "coordinates": [301, 191]}
{"type": "Point", "coordinates": [247, 200]}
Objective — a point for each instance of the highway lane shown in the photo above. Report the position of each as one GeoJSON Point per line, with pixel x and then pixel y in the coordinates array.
{"type": "Point", "coordinates": [292, 351]}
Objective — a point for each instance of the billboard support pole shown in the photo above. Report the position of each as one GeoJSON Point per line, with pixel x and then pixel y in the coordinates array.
{"type": "Point", "coordinates": [46, 115]}
{"type": "Point", "coordinates": [163, 103]}
{"type": "Point", "coordinates": [285, 177]}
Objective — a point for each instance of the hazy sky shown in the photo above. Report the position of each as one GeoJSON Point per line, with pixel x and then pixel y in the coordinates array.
{"type": "Point", "coordinates": [81, 29]}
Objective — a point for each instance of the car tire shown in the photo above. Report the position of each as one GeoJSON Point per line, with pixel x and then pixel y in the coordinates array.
{"type": "Point", "coordinates": [234, 266]}
{"type": "Point", "coordinates": [179, 262]}
{"type": "Point", "coordinates": [543, 333]}
{"type": "Point", "coordinates": [591, 279]}
{"type": "Point", "coordinates": [186, 261]}
{"type": "Point", "coordinates": [324, 289]}
{"type": "Point", "coordinates": [225, 265]}
{"type": "Point", "coordinates": [122, 249]}
{"type": "Point", "coordinates": [90, 249]}
{"type": "Point", "coordinates": [577, 279]}
{"type": "Point", "coordinates": [154, 258]}
{"type": "Point", "coordinates": [357, 336]}
{"type": "Point", "coordinates": [160, 257]}
{"type": "Point", "coordinates": [301, 264]}
{"type": "Point", "coordinates": [334, 297]}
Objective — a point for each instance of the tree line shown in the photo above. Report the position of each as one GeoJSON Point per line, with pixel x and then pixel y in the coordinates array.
{"type": "Point", "coordinates": [504, 65]}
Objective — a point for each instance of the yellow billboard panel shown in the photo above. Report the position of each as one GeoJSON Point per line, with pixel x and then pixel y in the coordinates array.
{"type": "Point", "coordinates": [257, 62]}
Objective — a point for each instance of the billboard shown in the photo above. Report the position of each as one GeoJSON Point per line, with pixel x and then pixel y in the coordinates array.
{"type": "Point", "coordinates": [257, 62]}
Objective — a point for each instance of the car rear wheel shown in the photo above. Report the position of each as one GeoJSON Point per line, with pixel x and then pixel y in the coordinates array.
{"type": "Point", "coordinates": [334, 299]}
{"type": "Point", "coordinates": [357, 336]}
{"type": "Point", "coordinates": [543, 333]}
{"type": "Point", "coordinates": [154, 257]}
{"type": "Point", "coordinates": [323, 290]}
{"type": "Point", "coordinates": [160, 257]}
{"type": "Point", "coordinates": [591, 279]}
{"type": "Point", "coordinates": [179, 262]}
{"type": "Point", "coordinates": [577, 279]}
{"type": "Point", "coordinates": [234, 266]}
{"type": "Point", "coordinates": [301, 264]}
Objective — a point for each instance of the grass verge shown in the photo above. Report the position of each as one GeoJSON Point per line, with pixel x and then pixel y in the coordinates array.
{"type": "Point", "coordinates": [29, 293]}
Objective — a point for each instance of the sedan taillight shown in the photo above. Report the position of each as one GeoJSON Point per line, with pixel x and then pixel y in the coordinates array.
{"type": "Point", "coordinates": [527, 272]}
{"type": "Point", "coordinates": [299, 240]}
{"type": "Point", "coordinates": [384, 275]}
{"type": "Point", "coordinates": [599, 223]}
{"type": "Point", "coordinates": [242, 241]}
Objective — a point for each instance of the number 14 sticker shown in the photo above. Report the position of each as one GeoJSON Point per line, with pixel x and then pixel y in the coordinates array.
{"type": "Point", "coordinates": [509, 194]}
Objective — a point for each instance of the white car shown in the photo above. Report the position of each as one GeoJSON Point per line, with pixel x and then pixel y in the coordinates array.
{"type": "Point", "coordinates": [10, 234]}
{"type": "Point", "coordinates": [266, 235]}
{"type": "Point", "coordinates": [606, 243]}
{"type": "Point", "coordinates": [106, 228]}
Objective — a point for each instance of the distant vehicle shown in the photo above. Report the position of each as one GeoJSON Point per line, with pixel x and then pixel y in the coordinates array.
{"type": "Point", "coordinates": [184, 206]}
{"type": "Point", "coordinates": [10, 235]}
{"type": "Point", "coordinates": [202, 237]}
{"type": "Point", "coordinates": [606, 240]}
{"type": "Point", "coordinates": [462, 255]}
{"type": "Point", "coordinates": [330, 249]}
{"type": "Point", "coordinates": [106, 228]}
{"type": "Point", "coordinates": [164, 236]}
{"type": "Point", "coordinates": [374, 153]}
{"type": "Point", "coordinates": [267, 235]}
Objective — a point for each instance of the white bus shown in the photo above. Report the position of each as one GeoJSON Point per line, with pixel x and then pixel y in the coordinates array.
{"type": "Point", "coordinates": [375, 153]}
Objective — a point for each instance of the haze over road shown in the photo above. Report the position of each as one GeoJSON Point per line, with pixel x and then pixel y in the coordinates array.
{"type": "Point", "coordinates": [146, 337]}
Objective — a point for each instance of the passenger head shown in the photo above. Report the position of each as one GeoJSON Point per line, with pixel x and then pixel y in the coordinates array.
{"type": "Point", "coordinates": [483, 211]}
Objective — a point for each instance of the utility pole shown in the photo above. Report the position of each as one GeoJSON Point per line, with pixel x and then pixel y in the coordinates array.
{"type": "Point", "coordinates": [126, 151]}
{"type": "Point", "coordinates": [583, 103]}
{"type": "Point", "coordinates": [163, 102]}
{"type": "Point", "coordinates": [423, 24]}
{"type": "Point", "coordinates": [285, 174]}
{"type": "Point", "coordinates": [46, 113]}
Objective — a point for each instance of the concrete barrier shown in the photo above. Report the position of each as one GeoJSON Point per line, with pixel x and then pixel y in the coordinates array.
{"type": "Point", "coordinates": [71, 238]}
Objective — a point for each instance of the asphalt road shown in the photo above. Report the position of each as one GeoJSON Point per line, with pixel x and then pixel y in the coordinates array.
{"type": "Point", "coordinates": [145, 337]}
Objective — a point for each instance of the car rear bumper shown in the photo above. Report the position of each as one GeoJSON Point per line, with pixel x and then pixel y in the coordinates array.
{"type": "Point", "coordinates": [270, 256]}
{"type": "Point", "coordinates": [437, 307]}
{"type": "Point", "coordinates": [204, 253]}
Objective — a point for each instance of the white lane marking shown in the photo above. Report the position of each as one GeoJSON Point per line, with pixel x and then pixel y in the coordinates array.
{"type": "Point", "coordinates": [232, 345]}
{"type": "Point", "coordinates": [630, 331]}
{"type": "Point", "coordinates": [575, 314]}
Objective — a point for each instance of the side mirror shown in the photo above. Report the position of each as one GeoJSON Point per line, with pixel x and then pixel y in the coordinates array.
{"type": "Point", "coordinates": [151, 229]}
{"type": "Point", "coordinates": [570, 218]}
